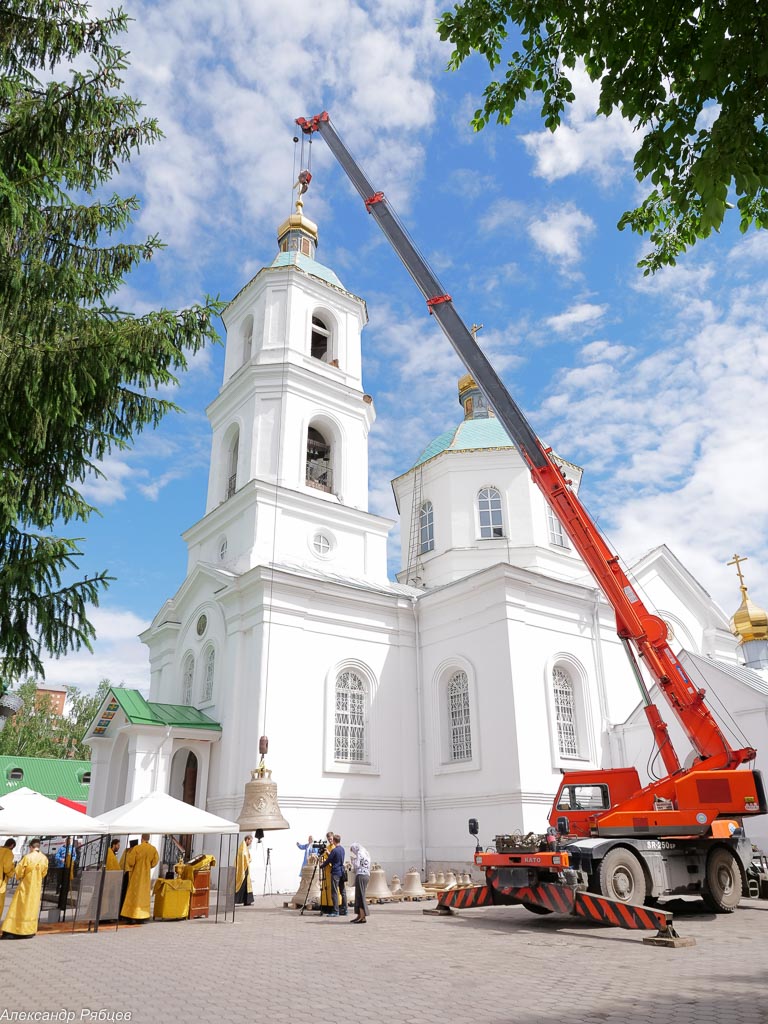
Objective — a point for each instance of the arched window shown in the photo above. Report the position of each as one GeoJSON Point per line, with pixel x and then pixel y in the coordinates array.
{"type": "Point", "coordinates": [565, 713]}
{"type": "Point", "coordinates": [210, 666]}
{"type": "Point", "coordinates": [489, 512]}
{"type": "Point", "coordinates": [459, 717]}
{"type": "Point", "coordinates": [426, 528]}
{"type": "Point", "coordinates": [187, 679]}
{"type": "Point", "coordinates": [319, 344]}
{"type": "Point", "coordinates": [234, 451]}
{"type": "Point", "coordinates": [350, 717]}
{"type": "Point", "coordinates": [319, 469]}
{"type": "Point", "coordinates": [247, 335]}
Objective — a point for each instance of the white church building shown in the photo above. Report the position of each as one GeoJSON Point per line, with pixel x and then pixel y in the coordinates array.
{"type": "Point", "coordinates": [395, 711]}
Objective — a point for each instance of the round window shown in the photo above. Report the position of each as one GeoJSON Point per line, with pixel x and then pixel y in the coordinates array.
{"type": "Point", "coordinates": [321, 544]}
{"type": "Point", "coordinates": [202, 624]}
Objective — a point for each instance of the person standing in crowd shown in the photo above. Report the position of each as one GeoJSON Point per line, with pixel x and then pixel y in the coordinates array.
{"type": "Point", "coordinates": [113, 862]}
{"type": "Point", "coordinates": [139, 861]}
{"type": "Point", "coordinates": [21, 922]}
{"type": "Point", "coordinates": [7, 867]}
{"type": "Point", "coordinates": [307, 848]}
{"type": "Point", "coordinates": [361, 865]}
{"type": "Point", "coordinates": [326, 889]}
{"type": "Point", "coordinates": [243, 884]}
{"type": "Point", "coordinates": [334, 867]}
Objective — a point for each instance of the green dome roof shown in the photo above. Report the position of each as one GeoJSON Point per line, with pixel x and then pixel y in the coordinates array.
{"type": "Point", "coordinates": [469, 435]}
{"type": "Point", "coordinates": [307, 264]}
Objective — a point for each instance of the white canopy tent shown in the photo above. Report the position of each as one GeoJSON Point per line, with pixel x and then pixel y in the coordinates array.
{"type": "Point", "coordinates": [158, 813]}
{"type": "Point", "coordinates": [24, 812]}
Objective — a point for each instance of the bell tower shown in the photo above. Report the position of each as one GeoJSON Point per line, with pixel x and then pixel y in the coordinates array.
{"type": "Point", "coordinates": [288, 477]}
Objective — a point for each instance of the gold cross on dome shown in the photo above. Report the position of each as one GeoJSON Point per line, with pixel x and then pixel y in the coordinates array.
{"type": "Point", "coordinates": [737, 560]}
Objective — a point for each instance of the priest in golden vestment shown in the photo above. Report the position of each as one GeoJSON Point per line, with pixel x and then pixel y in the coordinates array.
{"type": "Point", "coordinates": [139, 861]}
{"type": "Point", "coordinates": [21, 921]}
{"type": "Point", "coordinates": [113, 864]}
{"type": "Point", "coordinates": [7, 867]}
{"type": "Point", "coordinates": [243, 884]}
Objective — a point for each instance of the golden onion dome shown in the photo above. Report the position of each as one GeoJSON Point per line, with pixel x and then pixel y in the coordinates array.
{"type": "Point", "coordinates": [749, 622]}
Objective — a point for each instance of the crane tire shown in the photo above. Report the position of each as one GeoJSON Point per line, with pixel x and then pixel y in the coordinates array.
{"type": "Point", "coordinates": [622, 877]}
{"type": "Point", "coordinates": [534, 908]}
{"type": "Point", "coordinates": [723, 882]}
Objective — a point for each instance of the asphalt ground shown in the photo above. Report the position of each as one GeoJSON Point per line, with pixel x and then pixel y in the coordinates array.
{"type": "Point", "coordinates": [483, 966]}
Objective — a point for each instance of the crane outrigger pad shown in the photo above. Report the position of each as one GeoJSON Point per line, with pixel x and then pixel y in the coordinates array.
{"type": "Point", "coordinates": [550, 897]}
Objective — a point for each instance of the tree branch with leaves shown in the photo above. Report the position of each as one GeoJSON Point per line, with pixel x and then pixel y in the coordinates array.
{"type": "Point", "coordinates": [691, 76]}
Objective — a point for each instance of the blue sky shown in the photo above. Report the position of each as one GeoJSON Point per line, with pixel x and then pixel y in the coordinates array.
{"type": "Point", "coordinates": [657, 387]}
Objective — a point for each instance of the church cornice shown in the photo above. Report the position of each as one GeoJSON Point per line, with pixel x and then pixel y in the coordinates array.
{"type": "Point", "coordinates": [271, 379]}
{"type": "Point", "coordinates": [267, 274]}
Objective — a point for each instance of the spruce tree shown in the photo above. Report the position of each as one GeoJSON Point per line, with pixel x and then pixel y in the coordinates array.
{"type": "Point", "coordinates": [78, 376]}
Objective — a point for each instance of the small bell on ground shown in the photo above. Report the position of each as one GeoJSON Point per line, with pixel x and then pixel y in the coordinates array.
{"type": "Point", "coordinates": [412, 886]}
{"type": "Point", "coordinates": [440, 880]}
{"type": "Point", "coordinates": [395, 886]}
{"type": "Point", "coordinates": [431, 882]}
{"type": "Point", "coordinates": [377, 886]}
{"type": "Point", "coordinates": [309, 887]}
{"type": "Point", "coordinates": [450, 880]}
{"type": "Point", "coordinates": [260, 807]}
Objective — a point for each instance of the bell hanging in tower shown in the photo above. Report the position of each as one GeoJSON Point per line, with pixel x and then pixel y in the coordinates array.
{"type": "Point", "coordinates": [261, 811]}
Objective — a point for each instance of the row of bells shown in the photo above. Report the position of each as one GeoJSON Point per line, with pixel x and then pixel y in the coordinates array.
{"type": "Point", "coordinates": [411, 888]}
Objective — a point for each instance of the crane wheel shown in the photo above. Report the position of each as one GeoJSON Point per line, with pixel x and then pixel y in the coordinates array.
{"type": "Point", "coordinates": [622, 877]}
{"type": "Point", "coordinates": [723, 882]}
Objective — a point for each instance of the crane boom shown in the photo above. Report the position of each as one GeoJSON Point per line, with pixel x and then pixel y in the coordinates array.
{"type": "Point", "coordinates": [636, 625]}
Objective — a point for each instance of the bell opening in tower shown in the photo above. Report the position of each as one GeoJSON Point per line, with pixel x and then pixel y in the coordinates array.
{"type": "Point", "coordinates": [319, 473]}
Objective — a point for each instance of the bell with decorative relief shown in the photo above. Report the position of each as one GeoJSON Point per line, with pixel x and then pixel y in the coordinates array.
{"type": "Point", "coordinates": [261, 811]}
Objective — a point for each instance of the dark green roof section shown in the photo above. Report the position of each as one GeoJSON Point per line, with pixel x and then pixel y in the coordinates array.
{"type": "Point", "coordinates": [139, 711]}
{"type": "Point", "coordinates": [470, 435]}
{"type": "Point", "coordinates": [51, 776]}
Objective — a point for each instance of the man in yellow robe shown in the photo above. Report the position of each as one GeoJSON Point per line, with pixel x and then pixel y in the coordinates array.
{"type": "Point", "coordinates": [7, 867]}
{"type": "Point", "coordinates": [21, 921]}
{"type": "Point", "coordinates": [243, 884]}
{"type": "Point", "coordinates": [113, 864]}
{"type": "Point", "coordinates": [139, 862]}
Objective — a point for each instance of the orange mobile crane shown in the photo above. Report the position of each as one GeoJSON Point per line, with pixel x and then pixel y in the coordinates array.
{"type": "Point", "coordinates": [612, 843]}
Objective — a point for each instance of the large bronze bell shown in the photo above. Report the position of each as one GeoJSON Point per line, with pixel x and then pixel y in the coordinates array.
{"type": "Point", "coordinates": [260, 807]}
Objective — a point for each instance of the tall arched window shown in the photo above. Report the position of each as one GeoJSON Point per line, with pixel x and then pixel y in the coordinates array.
{"type": "Point", "coordinates": [210, 666]}
{"type": "Point", "coordinates": [247, 339]}
{"type": "Point", "coordinates": [234, 451]}
{"type": "Point", "coordinates": [426, 528]}
{"type": "Point", "coordinates": [321, 334]}
{"type": "Point", "coordinates": [459, 717]}
{"type": "Point", "coordinates": [489, 512]}
{"type": "Point", "coordinates": [187, 679]}
{"type": "Point", "coordinates": [319, 469]}
{"type": "Point", "coordinates": [350, 717]}
{"type": "Point", "coordinates": [565, 713]}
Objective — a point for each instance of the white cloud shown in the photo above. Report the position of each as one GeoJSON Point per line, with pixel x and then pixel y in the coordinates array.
{"type": "Point", "coordinates": [118, 654]}
{"type": "Point", "coordinates": [673, 443]}
{"type": "Point", "coordinates": [503, 213]}
{"type": "Point", "coordinates": [584, 141]}
{"type": "Point", "coordinates": [583, 313]}
{"type": "Point", "coordinates": [559, 234]}
{"type": "Point", "coordinates": [226, 84]}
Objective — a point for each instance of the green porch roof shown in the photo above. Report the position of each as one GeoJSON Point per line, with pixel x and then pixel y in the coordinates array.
{"type": "Point", "coordinates": [139, 711]}
{"type": "Point", "coordinates": [51, 776]}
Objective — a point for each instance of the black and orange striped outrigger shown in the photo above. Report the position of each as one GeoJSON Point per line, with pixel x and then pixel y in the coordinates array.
{"type": "Point", "coordinates": [556, 898]}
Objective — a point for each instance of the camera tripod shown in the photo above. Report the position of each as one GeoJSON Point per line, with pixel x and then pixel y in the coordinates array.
{"type": "Point", "coordinates": [268, 872]}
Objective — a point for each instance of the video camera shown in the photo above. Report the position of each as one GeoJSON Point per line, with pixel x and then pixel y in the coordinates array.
{"type": "Point", "coordinates": [320, 846]}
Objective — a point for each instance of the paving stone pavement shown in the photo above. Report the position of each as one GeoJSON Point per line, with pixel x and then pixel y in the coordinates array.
{"type": "Point", "coordinates": [487, 966]}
